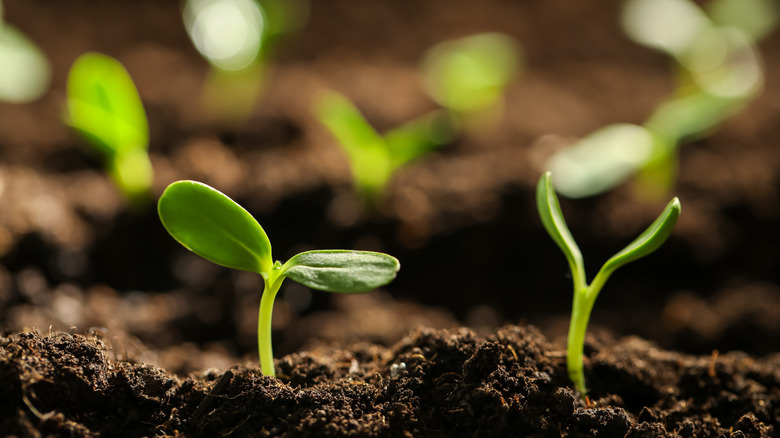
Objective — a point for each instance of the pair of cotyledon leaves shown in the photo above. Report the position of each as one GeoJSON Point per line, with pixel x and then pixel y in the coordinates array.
{"type": "Point", "coordinates": [374, 158]}
{"type": "Point", "coordinates": [553, 221]}
{"type": "Point", "coordinates": [213, 226]}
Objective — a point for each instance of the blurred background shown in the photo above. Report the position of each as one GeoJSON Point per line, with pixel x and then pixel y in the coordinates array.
{"type": "Point", "coordinates": [460, 106]}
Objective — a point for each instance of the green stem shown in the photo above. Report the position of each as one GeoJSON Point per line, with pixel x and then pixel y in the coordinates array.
{"type": "Point", "coordinates": [575, 348]}
{"type": "Point", "coordinates": [264, 329]}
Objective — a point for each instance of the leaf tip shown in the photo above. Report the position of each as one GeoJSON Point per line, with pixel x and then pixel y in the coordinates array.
{"type": "Point", "coordinates": [675, 203]}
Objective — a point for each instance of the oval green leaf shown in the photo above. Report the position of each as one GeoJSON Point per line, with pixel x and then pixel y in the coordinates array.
{"type": "Point", "coordinates": [26, 73]}
{"type": "Point", "coordinates": [213, 226]}
{"type": "Point", "coordinates": [104, 105]}
{"type": "Point", "coordinates": [341, 270]}
{"type": "Point", "coordinates": [555, 224]}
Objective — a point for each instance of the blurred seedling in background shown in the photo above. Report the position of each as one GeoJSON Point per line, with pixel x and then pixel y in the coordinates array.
{"type": "Point", "coordinates": [374, 158]}
{"type": "Point", "coordinates": [105, 109]}
{"type": "Point", "coordinates": [238, 37]}
{"type": "Point", "coordinates": [25, 72]}
{"type": "Point", "coordinates": [718, 73]}
{"type": "Point", "coordinates": [213, 226]}
{"type": "Point", "coordinates": [469, 76]}
{"type": "Point", "coordinates": [585, 294]}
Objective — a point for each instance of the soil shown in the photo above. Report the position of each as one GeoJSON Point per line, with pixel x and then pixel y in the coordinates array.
{"type": "Point", "coordinates": [431, 383]}
{"type": "Point", "coordinates": [110, 328]}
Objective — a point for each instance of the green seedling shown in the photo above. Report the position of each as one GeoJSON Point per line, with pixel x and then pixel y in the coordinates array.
{"type": "Point", "coordinates": [25, 72]}
{"type": "Point", "coordinates": [718, 73]}
{"type": "Point", "coordinates": [469, 75]}
{"type": "Point", "coordinates": [374, 159]}
{"type": "Point", "coordinates": [213, 226]}
{"type": "Point", "coordinates": [585, 294]}
{"type": "Point", "coordinates": [237, 38]}
{"type": "Point", "coordinates": [105, 108]}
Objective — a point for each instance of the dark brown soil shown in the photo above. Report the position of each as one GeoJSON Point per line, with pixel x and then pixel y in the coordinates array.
{"type": "Point", "coordinates": [431, 383]}
{"type": "Point", "coordinates": [142, 332]}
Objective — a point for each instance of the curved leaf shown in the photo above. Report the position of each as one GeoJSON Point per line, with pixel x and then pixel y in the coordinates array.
{"type": "Point", "coordinates": [652, 238]}
{"type": "Point", "coordinates": [104, 105]}
{"type": "Point", "coordinates": [555, 224]}
{"type": "Point", "coordinates": [213, 226]}
{"type": "Point", "coordinates": [341, 270]}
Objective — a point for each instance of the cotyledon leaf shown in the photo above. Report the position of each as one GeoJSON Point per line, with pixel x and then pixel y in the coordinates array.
{"type": "Point", "coordinates": [555, 224]}
{"type": "Point", "coordinates": [341, 270]}
{"type": "Point", "coordinates": [652, 238]}
{"type": "Point", "coordinates": [104, 104]}
{"type": "Point", "coordinates": [213, 226]}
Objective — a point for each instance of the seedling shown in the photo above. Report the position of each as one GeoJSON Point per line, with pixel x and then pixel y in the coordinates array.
{"type": "Point", "coordinates": [466, 76]}
{"type": "Point", "coordinates": [585, 294]}
{"type": "Point", "coordinates": [24, 71]}
{"type": "Point", "coordinates": [104, 107]}
{"type": "Point", "coordinates": [469, 76]}
{"type": "Point", "coordinates": [216, 228]}
{"type": "Point", "coordinates": [375, 159]}
{"type": "Point", "coordinates": [718, 73]}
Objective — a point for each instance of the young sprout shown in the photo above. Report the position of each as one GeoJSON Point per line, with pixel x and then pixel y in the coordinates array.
{"type": "Point", "coordinates": [213, 226]}
{"type": "Point", "coordinates": [718, 73]}
{"type": "Point", "coordinates": [104, 107]}
{"type": "Point", "coordinates": [374, 159]}
{"type": "Point", "coordinates": [585, 294]}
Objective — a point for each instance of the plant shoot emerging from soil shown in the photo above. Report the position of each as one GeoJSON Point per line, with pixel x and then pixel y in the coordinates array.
{"type": "Point", "coordinates": [104, 107]}
{"type": "Point", "coordinates": [373, 158]}
{"type": "Point", "coordinates": [210, 224]}
{"type": "Point", "coordinates": [585, 294]}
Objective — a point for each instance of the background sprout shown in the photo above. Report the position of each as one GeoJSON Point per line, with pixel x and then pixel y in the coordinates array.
{"type": "Point", "coordinates": [469, 75]}
{"type": "Point", "coordinates": [25, 73]}
{"type": "Point", "coordinates": [104, 107]}
{"type": "Point", "coordinates": [718, 74]}
{"type": "Point", "coordinates": [585, 294]}
{"type": "Point", "coordinates": [374, 159]}
{"type": "Point", "coordinates": [213, 226]}
{"type": "Point", "coordinates": [236, 37]}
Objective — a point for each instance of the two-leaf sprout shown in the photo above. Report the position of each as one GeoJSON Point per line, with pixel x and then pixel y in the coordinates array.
{"type": "Point", "coordinates": [374, 158]}
{"type": "Point", "coordinates": [585, 294]}
{"type": "Point", "coordinates": [467, 77]}
{"type": "Point", "coordinates": [215, 227]}
{"type": "Point", "coordinates": [105, 108]}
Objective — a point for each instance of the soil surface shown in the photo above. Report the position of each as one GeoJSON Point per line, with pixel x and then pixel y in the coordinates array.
{"type": "Point", "coordinates": [431, 383]}
{"type": "Point", "coordinates": [113, 329]}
